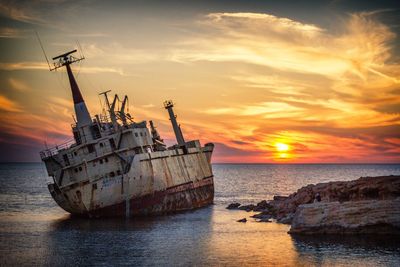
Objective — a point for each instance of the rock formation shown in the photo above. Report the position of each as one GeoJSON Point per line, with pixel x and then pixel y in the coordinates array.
{"type": "Point", "coordinates": [352, 217]}
{"type": "Point", "coordinates": [233, 206]}
{"type": "Point", "coordinates": [365, 205]}
{"type": "Point", "coordinates": [365, 188]}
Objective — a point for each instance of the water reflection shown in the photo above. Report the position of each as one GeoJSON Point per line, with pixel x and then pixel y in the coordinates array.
{"type": "Point", "coordinates": [249, 243]}
{"type": "Point", "coordinates": [174, 239]}
{"type": "Point", "coordinates": [359, 250]}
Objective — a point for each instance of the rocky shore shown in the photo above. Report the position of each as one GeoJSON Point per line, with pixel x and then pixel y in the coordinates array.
{"type": "Point", "coordinates": [365, 205]}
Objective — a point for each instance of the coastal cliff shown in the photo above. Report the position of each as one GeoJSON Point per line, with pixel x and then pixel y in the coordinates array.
{"type": "Point", "coordinates": [364, 188]}
{"type": "Point", "coordinates": [365, 205]}
{"type": "Point", "coordinates": [353, 217]}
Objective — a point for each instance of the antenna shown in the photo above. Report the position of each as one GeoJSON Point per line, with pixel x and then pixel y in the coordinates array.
{"type": "Point", "coordinates": [106, 98]}
{"type": "Point", "coordinates": [80, 50]}
{"type": "Point", "coordinates": [65, 59]}
{"type": "Point", "coordinates": [45, 56]}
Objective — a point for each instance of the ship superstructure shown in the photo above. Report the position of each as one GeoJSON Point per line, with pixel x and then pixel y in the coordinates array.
{"type": "Point", "coordinates": [115, 166]}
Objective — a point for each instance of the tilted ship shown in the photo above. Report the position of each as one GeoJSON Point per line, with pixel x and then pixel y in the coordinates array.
{"type": "Point", "coordinates": [115, 166]}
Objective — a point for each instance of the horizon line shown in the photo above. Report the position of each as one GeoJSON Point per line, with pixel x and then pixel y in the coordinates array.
{"type": "Point", "coordinates": [258, 163]}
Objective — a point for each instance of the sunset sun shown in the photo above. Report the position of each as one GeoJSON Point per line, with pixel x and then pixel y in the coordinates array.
{"type": "Point", "coordinates": [282, 151]}
{"type": "Point", "coordinates": [281, 147]}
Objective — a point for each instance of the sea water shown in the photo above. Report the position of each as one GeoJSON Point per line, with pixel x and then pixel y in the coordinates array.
{"type": "Point", "coordinates": [35, 231]}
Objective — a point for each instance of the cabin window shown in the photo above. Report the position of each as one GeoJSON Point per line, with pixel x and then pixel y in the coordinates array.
{"type": "Point", "coordinates": [77, 137]}
{"type": "Point", "coordinates": [101, 161]}
{"type": "Point", "coordinates": [118, 172]}
{"type": "Point", "coordinates": [101, 145]}
{"type": "Point", "coordinates": [80, 169]}
{"type": "Point", "coordinates": [136, 135]}
{"type": "Point", "coordinates": [112, 143]}
{"type": "Point", "coordinates": [94, 186]}
{"type": "Point", "coordinates": [75, 153]}
{"type": "Point", "coordinates": [112, 174]}
{"type": "Point", "coordinates": [66, 160]}
{"type": "Point", "coordinates": [141, 134]}
{"type": "Point", "coordinates": [76, 169]}
{"type": "Point", "coordinates": [90, 148]}
{"type": "Point", "coordinates": [94, 129]}
{"type": "Point", "coordinates": [106, 159]}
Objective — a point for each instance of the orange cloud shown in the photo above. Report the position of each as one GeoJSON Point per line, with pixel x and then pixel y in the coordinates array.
{"type": "Point", "coordinates": [245, 81]}
{"type": "Point", "coordinates": [8, 105]}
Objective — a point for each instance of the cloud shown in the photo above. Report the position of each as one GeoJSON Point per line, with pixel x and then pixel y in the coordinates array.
{"type": "Point", "coordinates": [20, 12]}
{"type": "Point", "coordinates": [289, 45]}
{"type": "Point", "coordinates": [19, 85]}
{"type": "Point", "coordinates": [148, 106]}
{"type": "Point", "coordinates": [275, 109]}
{"type": "Point", "coordinates": [8, 32]}
{"type": "Point", "coordinates": [18, 66]}
{"type": "Point", "coordinates": [11, 66]}
{"type": "Point", "coordinates": [331, 94]}
{"type": "Point", "coordinates": [277, 25]}
{"type": "Point", "coordinates": [9, 105]}
{"type": "Point", "coordinates": [327, 91]}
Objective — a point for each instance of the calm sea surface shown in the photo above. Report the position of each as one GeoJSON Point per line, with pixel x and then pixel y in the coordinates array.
{"type": "Point", "coordinates": [35, 231]}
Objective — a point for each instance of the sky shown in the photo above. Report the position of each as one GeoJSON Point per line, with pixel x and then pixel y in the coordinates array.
{"type": "Point", "coordinates": [265, 81]}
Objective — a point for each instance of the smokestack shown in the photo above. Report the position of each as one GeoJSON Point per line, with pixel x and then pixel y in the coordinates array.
{"type": "Point", "coordinates": [178, 133]}
{"type": "Point", "coordinates": [81, 111]}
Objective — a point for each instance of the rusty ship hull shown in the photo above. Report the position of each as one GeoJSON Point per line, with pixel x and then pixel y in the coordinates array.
{"type": "Point", "coordinates": [171, 183]}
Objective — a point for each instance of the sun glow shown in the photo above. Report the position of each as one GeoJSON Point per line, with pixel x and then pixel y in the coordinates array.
{"type": "Point", "coordinates": [282, 151]}
{"type": "Point", "coordinates": [281, 147]}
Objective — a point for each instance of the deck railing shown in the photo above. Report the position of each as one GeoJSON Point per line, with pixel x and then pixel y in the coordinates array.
{"type": "Point", "coordinates": [54, 150]}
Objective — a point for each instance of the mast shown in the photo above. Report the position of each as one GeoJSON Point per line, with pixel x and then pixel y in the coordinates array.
{"type": "Point", "coordinates": [122, 110]}
{"type": "Point", "coordinates": [81, 112]}
{"type": "Point", "coordinates": [177, 129]}
{"type": "Point", "coordinates": [111, 108]}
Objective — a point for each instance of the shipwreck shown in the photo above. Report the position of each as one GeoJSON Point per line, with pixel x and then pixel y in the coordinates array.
{"type": "Point", "coordinates": [115, 166]}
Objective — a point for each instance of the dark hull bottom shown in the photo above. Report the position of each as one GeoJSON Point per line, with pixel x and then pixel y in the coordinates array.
{"type": "Point", "coordinates": [174, 199]}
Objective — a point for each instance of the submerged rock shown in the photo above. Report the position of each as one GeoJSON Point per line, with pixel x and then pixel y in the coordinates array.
{"type": "Point", "coordinates": [242, 220]}
{"type": "Point", "coordinates": [247, 208]}
{"type": "Point", "coordinates": [263, 206]}
{"type": "Point", "coordinates": [262, 217]}
{"type": "Point", "coordinates": [233, 206]}
{"type": "Point", "coordinates": [287, 219]}
{"type": "Point", "coordinates": [280, 198]}
{"type": "Point", "coordinates": [353, 217]}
